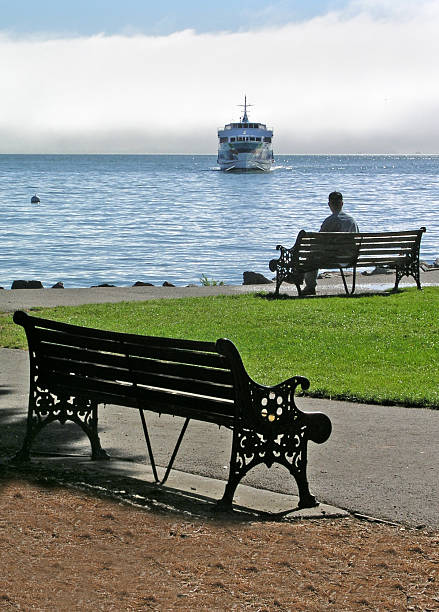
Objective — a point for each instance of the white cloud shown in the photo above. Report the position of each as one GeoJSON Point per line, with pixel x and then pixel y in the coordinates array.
{"type": "Point", "coordinates": [359, 81]}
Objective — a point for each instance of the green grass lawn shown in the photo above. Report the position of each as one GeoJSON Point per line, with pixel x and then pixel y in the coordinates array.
{"type": "Point", "coordinates": [381, 348]}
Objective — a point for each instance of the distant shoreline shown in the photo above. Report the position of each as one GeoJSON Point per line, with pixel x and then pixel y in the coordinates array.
{"type": "Point", "coordinates": [276, 154]}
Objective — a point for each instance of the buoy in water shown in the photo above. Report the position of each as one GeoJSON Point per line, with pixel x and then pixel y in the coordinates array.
{"type": "Point", "coordinates": [35, 199]}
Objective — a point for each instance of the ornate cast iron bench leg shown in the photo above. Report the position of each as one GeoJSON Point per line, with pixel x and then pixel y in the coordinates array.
{"type": "Point", "coordinates": [409, 269]}
{"type": "Point", "coordinates": [274, 266]}
{"type": "Point", "coordinates": [46, 407]}
{"type": "Point", "coordinates": [277, 432]}
{"type": "Point", "coordinates": [249, 450]}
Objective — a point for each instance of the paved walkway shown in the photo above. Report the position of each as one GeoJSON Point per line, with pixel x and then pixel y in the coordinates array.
{"type": "Point", "coordinates": [11, 300]}
{"type": "Point", "coordinates": [379, 461]}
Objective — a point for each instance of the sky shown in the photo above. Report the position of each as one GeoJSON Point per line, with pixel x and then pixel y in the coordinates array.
{"type": "Point", "coordinates": [329, 76]}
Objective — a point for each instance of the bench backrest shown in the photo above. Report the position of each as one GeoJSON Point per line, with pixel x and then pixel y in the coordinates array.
{"type": "Point", "coordinates": [314, 250]}
{"type": "Point", "coordinates": [387, 248]}
{"type": "Point", "coordinates": [167, 375]}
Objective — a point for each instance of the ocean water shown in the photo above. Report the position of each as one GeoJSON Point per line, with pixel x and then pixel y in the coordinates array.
{"type": "Point", "coordinates": [123, 218]}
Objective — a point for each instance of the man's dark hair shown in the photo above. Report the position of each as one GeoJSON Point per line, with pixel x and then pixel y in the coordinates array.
{"type": "Point", "coordinates": [335, 197]}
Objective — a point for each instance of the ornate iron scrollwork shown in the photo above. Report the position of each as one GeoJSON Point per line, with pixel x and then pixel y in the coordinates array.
{"type": "Point", "coordinates": [284, 268]}
{"type": "Point", "coordinates": [46, 406]}
{"type": "Point", "coordinates": [272, 431]}
{"type": "Point", "coordinates": [409, 268]}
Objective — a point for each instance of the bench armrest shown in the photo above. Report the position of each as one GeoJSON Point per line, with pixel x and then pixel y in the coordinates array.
{"type": "Point", "coordinates": [287, 255]}
{"type": "Point", "coordinates": [271, 410]}
{"type": "Point", "coordinates": [285, 259]}
{"type": "Point", "coordinates": [274, 409]}
{"type": "Point", "coordinates": [284, 250]}
{"type": "Point", "coordinates": [319, 426]}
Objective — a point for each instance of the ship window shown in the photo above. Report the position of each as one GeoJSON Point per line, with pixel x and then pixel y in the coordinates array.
{"type": "Point", "coordinates": [267, 139]}
{"type": "Point", "coordinates": [232, 140]}
{"type": "Point", "coordinates": [252, 137]}
{"type": "Point", "coordinates": [223, 139]}
{"type": "Point", "coordinates": [240, 125]}
{"type": "Point", "coordinates": [245, 125]}
{"type": "Point", "coordinates": [258, 139]}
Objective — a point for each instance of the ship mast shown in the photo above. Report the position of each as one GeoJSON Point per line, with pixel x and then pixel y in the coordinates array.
{"type": "Point", "coordinates": [245, 117]}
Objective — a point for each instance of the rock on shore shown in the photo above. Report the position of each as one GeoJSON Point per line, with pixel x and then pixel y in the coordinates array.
{"type": "Point", "coordinates": [254, 278]}
{"type": "Point", "coordinates": [27, 284]}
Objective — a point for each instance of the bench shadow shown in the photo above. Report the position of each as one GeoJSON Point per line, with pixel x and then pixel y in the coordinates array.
{"type": "Point", "coordinates": [288, 296]}
{"type": "Point", "coordinates": [117, 487]}
{"type": "Point", "coordinates": [54, 440]}
{"type": "Point", "coordinates": [12, 428]}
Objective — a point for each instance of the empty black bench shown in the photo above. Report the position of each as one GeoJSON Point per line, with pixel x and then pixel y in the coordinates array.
{"type": "Point", "coordinates": [73, 369]}
{"type": "Point", "coordinates": [341, 250]}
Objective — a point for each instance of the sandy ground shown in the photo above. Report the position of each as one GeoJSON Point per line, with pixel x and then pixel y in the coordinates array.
{"type": "Point", "coordinates": [64, 549]}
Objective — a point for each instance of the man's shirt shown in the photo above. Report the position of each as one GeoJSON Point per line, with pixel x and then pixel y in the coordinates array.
{"type": "Point", "coordinates": [339, 222]}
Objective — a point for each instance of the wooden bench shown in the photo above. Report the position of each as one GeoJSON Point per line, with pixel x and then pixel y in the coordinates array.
{"type": "Point", "coordinates": [73, 369]}
{"type": "Point", "coordinates": [341, 250]}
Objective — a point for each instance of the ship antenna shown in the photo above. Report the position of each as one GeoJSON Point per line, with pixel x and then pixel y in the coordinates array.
{"type": "Point", "coordinates": [245, 118]}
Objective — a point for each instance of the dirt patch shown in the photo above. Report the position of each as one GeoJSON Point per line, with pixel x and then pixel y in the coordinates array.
{"type": "Point", "coordinates": [65, 549]}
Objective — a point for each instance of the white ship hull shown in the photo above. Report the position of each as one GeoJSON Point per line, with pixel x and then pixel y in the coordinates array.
{"type": "Point", "coordinates": [261, 160]}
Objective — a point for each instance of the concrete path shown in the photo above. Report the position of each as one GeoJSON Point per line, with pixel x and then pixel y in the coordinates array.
{"type": "Point", "coordinates": [16, 299]}
{"type": "Point", "coordinates": [379, 461]}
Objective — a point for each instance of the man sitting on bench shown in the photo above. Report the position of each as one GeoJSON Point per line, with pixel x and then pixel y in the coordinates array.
{"type": "Point", "coordinates": [338, 221]}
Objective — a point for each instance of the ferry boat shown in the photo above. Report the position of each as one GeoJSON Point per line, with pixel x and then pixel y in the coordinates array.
{"type": "Point", "coordinates": [245, 145]}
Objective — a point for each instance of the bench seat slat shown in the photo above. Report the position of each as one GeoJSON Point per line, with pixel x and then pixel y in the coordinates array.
{"type": "Point", "coordinates": [217, 417]}
{"type": "Point", "coordinates": [371, 260]}
{"type": "Point", "coordinates": [314, 263]}
{"type": "Point", "coordinates": [53, 367]}
{"type": "Point", "coordinates": [400, 251]}
{"type": "Point", "coordinates": [321, 255]}
{"type": "Point", "coordinates": [139, 395]}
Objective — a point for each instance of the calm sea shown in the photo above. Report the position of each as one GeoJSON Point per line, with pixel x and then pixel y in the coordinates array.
{"type": "Point", "coordinates": [122, 218]}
